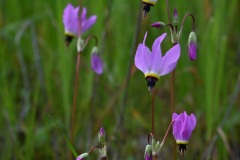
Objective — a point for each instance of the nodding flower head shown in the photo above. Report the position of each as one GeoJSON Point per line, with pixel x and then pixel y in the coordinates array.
{"type": "Point", "coordinates": [71, 21]}
{"type": "Point", "coordinates": [148, 152]}
{"type": "Point", "coordinates": [152, 63]}
{"type": "Point", "coordinates": [182, 129]}
{"type": "Point", "coordinates": [159, 25]}
{"type": "Point", "coordinates": [96, 62]}
{"type": "Point", "coordinates": [192, 47]}
{"type": "Point", "coordinates": [83, 156]}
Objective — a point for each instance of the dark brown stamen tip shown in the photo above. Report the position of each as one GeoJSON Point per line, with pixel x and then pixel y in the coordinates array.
{"type": "Point", "coordinates": [68, 40]}
{"type": "Point", "coordinates": [146, 9]}
{"type": "Point", "coordinates": [182, 149]}
{"type": "Point", "coordinates": [151, 81]}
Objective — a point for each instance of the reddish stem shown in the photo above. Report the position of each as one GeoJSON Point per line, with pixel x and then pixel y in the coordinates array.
{"type": "Point", "coordinates": [73, 112]}
{"type": "Point", "coordinates": [193, 20]}
{"type": "Point", "coordinates": [172, 91]}
{"type": "Point", "coordinates": [150, 135]}
{"type": "Point", "coordinates": [173, 107]}
{"type": "Point", "coordinates": [153, 95]}
{"type": "Point", "coordinates": [166, 134]}
{"type": "Point", "coordinates": [93, 147]}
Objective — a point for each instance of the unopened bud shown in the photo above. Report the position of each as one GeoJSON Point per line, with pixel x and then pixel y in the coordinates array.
{"type": "Point", "coordinates": [159, 25]}
{"type": "Point", "coordinates": [175, 17]}
{"type": "Point", "coordinates": [83, 156]}
{"type": "Point", "coordinates": [101, 136]}
{"type": "Point", "coordinates": [192, 47]}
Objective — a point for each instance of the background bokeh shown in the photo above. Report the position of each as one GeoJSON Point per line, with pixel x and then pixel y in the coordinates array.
{"type": "Point", "coordinates": [37, 75]}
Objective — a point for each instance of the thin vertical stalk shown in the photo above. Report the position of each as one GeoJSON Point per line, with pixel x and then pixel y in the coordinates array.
{"type": "Point", "coordinates": [75, 96]}
{"type": "Point", "coordinates": [75, 93]}
{"type": "Point", "coordinates": [174, 155]}
{"type": "Point", "coordinates": [153, 95]}
{"type": "Point", "coordinates": [172, 91]}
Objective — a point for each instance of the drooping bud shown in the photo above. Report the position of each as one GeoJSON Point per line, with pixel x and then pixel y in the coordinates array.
{"type": "Point", "coordinates": [83, 156]}
{"type": "Point", "coordinates": [159, 25]}
{"type": "Point", "coordinates": [96, 62]}
{"type": "Point", "coordinates": [175, 17]}
{"type": "Point", "coordinates": [192, 47]}
{"type": "Point", "coordinates": [148, 152]}
{"type": "Point", "coordinates": [101, 136]}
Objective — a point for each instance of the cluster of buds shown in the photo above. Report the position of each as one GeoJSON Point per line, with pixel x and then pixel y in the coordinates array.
{"type": "Point", "coordinates": [182, 126]}
{"type": "Point", "coordinates": [176, 35]}
{"type": "Point", "coordinates": [102, 148]}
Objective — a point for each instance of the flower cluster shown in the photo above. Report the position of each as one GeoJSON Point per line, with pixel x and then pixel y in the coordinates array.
{"type": "Point", "coordinates": [176, 35]}
{"type": "Point", "coordinates": [76, 25]}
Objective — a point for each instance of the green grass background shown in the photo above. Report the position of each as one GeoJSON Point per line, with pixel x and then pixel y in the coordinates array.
{"type": "Point", "coordinates": [37, 80]}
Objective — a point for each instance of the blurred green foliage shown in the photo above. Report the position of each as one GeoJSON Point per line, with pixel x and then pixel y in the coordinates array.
{"type": "Point", "coordinates": [37, 80]}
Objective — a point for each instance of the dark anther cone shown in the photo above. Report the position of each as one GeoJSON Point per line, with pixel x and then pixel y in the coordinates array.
{"type": "Point", "coordinates": [182, 149]}
{"type": "Point", "coordinates": [146, 9]}
{"type": "Point", "coordinates": [68, 39]}
{"type": "Point", "coordinates": [151, 81]}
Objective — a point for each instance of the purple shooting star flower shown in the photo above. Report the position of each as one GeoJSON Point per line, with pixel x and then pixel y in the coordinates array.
{"type": "Point", "coordinates": [71, 21]}
{"type": "Point", "coordinates": [153, 64]}
{"type": "Point", "coordinates": [182, 129]}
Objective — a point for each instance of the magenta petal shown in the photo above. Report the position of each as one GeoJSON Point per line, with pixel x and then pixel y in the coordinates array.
{"type": "Point", "coordinates": [148, 157]}
{"type": "Point", "coordinates": [192, 51]}
{"type": "Point", "coordinates": [70, 19]}
{"type": "Point", "coordinates": [84, 14]}
{"type": "Point", "coordinates": [88, 23]}
{"type": "Point", "coordinates": [169, 60]}
{"type": "Point", "coordinates": [143, 57]}
{"type": "Point", "coordinates": [96, 64]}
{"type": "Point", "coordinates": [183, 127]}
{"type": "Point", "coordinates": [156, 55]}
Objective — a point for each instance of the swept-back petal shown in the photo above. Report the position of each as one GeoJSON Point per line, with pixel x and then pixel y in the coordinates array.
{"type": "Point", "coordinates": [156, 55]}
{"type": "Point", "coordinates": [70, 19]}
{"type": "Point", "coordinates": [96, 64]}
{"type": "Point", "coordinates": [143, 58]}
{"type": "Point", "coordinates": [169, 60]}
{"type": "Point", "coordinates": [88, 23]}
{"type": "Point", "coordinates": [84, 14]}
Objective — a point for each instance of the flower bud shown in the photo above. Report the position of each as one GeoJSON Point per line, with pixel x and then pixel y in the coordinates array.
{"type": "Point", "coordinates": [175, 17]}
{"type": "Point", "coordinates": [192, 48]}
{"type": "Point", "coordinates": [83, 156]}
{"type": "Point", "coordinates": [159, 25]}
{"type": "Point", "coordinates": [148, 152]}
{"type": "Point", "coordinates": [101, 136]}
{"type": "Point", "coordinates": [96, 62]}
